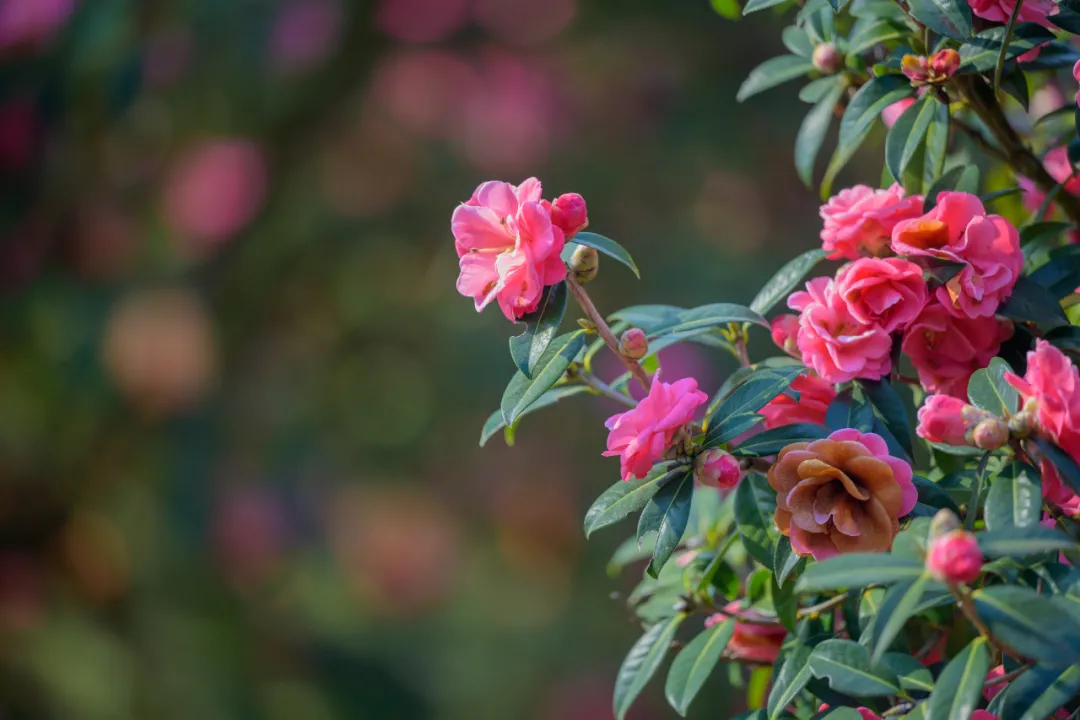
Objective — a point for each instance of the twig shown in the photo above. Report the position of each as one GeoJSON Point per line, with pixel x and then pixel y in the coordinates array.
{"type": "Point", "coordinates": [1005, 48]}
{"type": "Point", "coordinates": [740, 350]}
{"type": "Point", "coordinates": [964, 601]}
{"type": "Point", "coordinates": [604, 331]}
{"type": "Point", "coordinates": [804, 612]}
{"type": "Point", "coordinates": [604, 389]}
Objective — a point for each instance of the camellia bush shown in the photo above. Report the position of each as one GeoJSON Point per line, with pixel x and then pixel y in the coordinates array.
{"type": "Point", "coordinates": [875, 516]}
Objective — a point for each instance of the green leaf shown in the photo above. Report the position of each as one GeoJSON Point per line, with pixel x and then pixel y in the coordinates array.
{"type": "Point", "coordinates": [609, 247]}
{"type": "Point", "coordinates": [848, 411]}
{"type": "Point", "coordinates": [755, 5]}
{"type": "Point", "coordinates": [1038, 693]}
{"type": "Point", "coordinates": [962, 178]}
{"type": "Point", "coordinates": [898, 605]}
{"type": "Point", "coordinates": [913, 675]}
{"type": "Point", "coordinates": [785, 280]}
{"type": "Point", "coordinates": [813, 129]}
{"type": "Point", "coordinates": [792, 678]}
{"type": "Point", "coordinates": [770, 442]}
{"type": "Point", "coordinates": [1029, 623]}
{"type": "Point", "coordinates": [728, 9]}
{"type": "Point", "coordinates": [951, 18]}
{"type": "Point", "coordinates": [1031, 302]}
{"type": "Point", "coordinates": [540, 329]}
{"type": "Point", "coordinates": [937, 145]}
{"type": "Point", "coordinates": [523, 392]}
{"type": "Point", "coordinates": [866, 105]}
{"type": "Point", "coordinates": [856, 570]}
{"type": "Point", "coordinates": [627, 496]}
{"type": "Point", "coordinates": [755, 504]}
{"type": "Point", "coordinates": [959, 689]}
{"type": "Point", "coordinates": [773, 72]}
{"type": "Point", "coordinates": [847, 667]}
{"type": "Point", "coordinates": [785, 560]}
{"type": "Point", "coordinates": [1038, 231]}
{"type": "Point", "coordinates": [642, 662]}
{"type": "Point", "coordinates": [692, 667]}
{"type": "Point", "coordinates": [875, 33]}
{"type": "Point", "coordinates": [648, 317]}
{"type": "Point", "coordinates": [495, 421]}
{"type": "Point", "coordinates": [1015, 499]}
{"type": "Point", "coordinates": [668, 513]}
{"type": "Point", "coordinates": [981, 52]}
{"type": "Point", "coordinates": [1067, 468]}
{"type": "Point", "coordinates": [740, 407]}
{"type": "Point", "coordinates": [906, 135]}
{"type": "Point", "coordinates": [796, 40]}
{"type": "Point", "coordinates": [1021, 541]}
{"type": "Point", "coordinates": [709, 317]}
{"type": "Point", "coordinates": [934, 496]}
{"type": "Point", "coordinates": [887, 402]}
{"type": "Point", "coordinates": [989, 391]}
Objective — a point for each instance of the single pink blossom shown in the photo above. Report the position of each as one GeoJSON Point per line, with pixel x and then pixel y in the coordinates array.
{"type": "Point", "coordinates": [832, 341]}
{"type": "Point", "coordinates": [954, 558]}
{"type": "Point", "coordinates": [815, 396]}
{"type": "Point", "coordinates": [718, 468]}
{"type": "Point", "coordinates": [640, 436]}
{"type": "Point", "coordinates": [859, 220]}
{"type": "Point", "coordinates": [569, 214]}
{"type": "Point", "coordinates": [942, 420]}
{"type": "Point", "coordinates": [959, 230]}
{"type": "Point", "coordinates": [885, 292]}
{"type": "Point", "coordinates": [507, 246]}
{"type": "Point", "coordinates": [1036, 11]}
{"type": "Point", "coordinates": [946, 349]}
{"type": "Point", "coordinates": [753, 642]}
{"type": "Point", "coordinates": [785, 333]}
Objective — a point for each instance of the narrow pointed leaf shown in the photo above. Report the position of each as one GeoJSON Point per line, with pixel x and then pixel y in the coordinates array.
{"type": "Point", "coordinates": [856, 570]}
{"type": "Point", "coordinates": [959, 689]}
{"type": "Point", "coordinates": [773, 72]}
{"type": "Point", "coordinates": [642, 662]}
{"type": "Point", "coordinates": [495, 421]}
{"type": "Point", "coordinates": [1029, 623]}
{"type": "Point", "coordinates": [898, 605]}
{"type": "Point", "coordinates": [785, 280]}
{"type": "Point", "coordinates": [522, 392]}
{"type": "Point", "coordinates": [813, 130]}
{"type": "Point", "coordinates": [609, 247]}
{"type": "Point", "coordinates": [625, 497]}
{"type": "Point", "coordinates": [792, 678]}
{"type": "Point", "coordinates": [540, 328]}
{"type": "Point", "coordinates": [693, 665]}
{"type": "Point", "coordinates": [846, 665]}
{"type": "Point", "coordinates": [668, 513]}
{"type": "Point", "coordinates": [755, 504]}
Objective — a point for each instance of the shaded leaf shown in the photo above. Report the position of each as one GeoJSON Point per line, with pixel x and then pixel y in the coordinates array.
{"type": "Point", "coordinates": [737, 413]}
{"type": "Point", "coordinates": [856, 570]}
{"type": "Point", "coordinates": [668, 513]}
{"type": "Point", "coordinates": [773, 72]}
{"type": "Point", "coordinates": [792, 678]}
{"type": "Point", "coordinates": [813, 129]}
{"type": "Point", "coordinates": [607, 246]}
{"type": "Point", "coordinates": [755, 503]}
{"type": "Point", "coordinates": [522, 392]}
{"type": "Point", "coordinates": [785, 280]}
{"type": "Point", "coordinates": [951, 18]}
{"type": "Point", "coordinates": [898, 605]}
{"type": "Point", "coordinates": [907, 133]}
{"type": "Point", "coordinates": [846, 665]}
{"type": "Point", "coordinates": [981, 52]}
{"type": "Point", "coordinates": [1031, 302]}
{"type": "Point", "coordinates": [627, 496]}
{"type": "Point", "coordinates": [1015, 499]}
{"type": "Point", "coordinates": [1029, 623]}
{"type": "Point", "coordinates": [540, 329]}
{"type": "Point", "coordinates": [887, 402]}
{"type": "Point", "coordinates": [866, 105]}
{"type": "Point", "coordinates": [988, 390]}
{"type": "Point", "coordinates": [642, 662]}
{"type": "Point", "coordinates": [772, 441]}
{"type": "Point", "coordinates": [959, 689]}
{"type": "Point", "coordinates": [1021, 541]}
{"type": "Point", "coordinates": [693, 665]}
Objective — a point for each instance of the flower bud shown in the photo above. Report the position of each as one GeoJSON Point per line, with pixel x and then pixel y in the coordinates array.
{"type": "Point", "coordinates": [990, 434]}
{"type": "Point", "coordinates": [827, 59]}
{"type": "Point", "coordinates": [633, 344]}
{"type": "Point", "coordinates": [569, 214]}
{"type": "Point", "coordinates": [718, 468]}
{"type": "Point", "coordinates": [785, 333]}
{"type": "Point", "coordinates": [943, 64]}
{"type": "Point", "coordinates": [1022, 424]}
{"type": "Point", "coordinates": [944, 419]}
{"type": "Point", "coordinates": [584, 263]}
{"type": "Point", "coordinates": [915, 68]}
{"type": "Point", "coordinates": [954, 558]}
{"type": "Point", "coordinates": [944, 522]}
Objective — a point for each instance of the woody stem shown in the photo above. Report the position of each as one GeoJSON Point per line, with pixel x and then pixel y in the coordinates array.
{"type": "Point", "coordinates": [601, 387]}
{"type": "Point", "coordinates": [604, 330]}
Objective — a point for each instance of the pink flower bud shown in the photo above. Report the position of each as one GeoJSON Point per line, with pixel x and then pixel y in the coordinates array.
{"type": "Point", "coordinates": [569, 214]}
{"type": "Point", "coordinates": [827, 59]}
{"type": "Point", "coordinates": [785, 333]}
{"type": "Point", "coordinates": [955, 558]}
{"type": "Point", "coordinates": [943, 523]}
{"type": "Point", "coordinates": [942, 420]}
{"type": "Point", "coordinates": [990, 434]}
{"type": "Point", "coordinates": [943, 64]}
{"type": "Point", "coordinates": [633, 344]}
{"type": "Point", "coordinates": [718, 468]}
{"type": "Point", "coordinates": [915, 68]}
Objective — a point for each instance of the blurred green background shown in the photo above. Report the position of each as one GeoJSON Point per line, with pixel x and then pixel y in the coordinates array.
{"type": "Point", "coordinates": [240, 398]}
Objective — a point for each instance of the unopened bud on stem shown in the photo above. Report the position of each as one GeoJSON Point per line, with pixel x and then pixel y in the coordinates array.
{"type": "Point", "coordinates": [633, 344]}
{"type": "Point", "coordinates": [991, 434]}
{"type": "Point", "coordinates": [944, 522]}
{"type": "Point", "coordinates": [584, 263]}
{"type": "Point", "coordinates": [827, 59]}
{"type": "Point", "coordinates": [954, 558]}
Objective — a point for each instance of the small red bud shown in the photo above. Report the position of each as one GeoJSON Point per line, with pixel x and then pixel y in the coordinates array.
{"type": "Point", "coordinates": [990, 434]}
{"type": "Point", "coordinates": [785, 333]}
{"type": "Point", "coordinates": [943, 64]}
{"type": "Point", "coordinates": [955, 558]}
{"type": "Point", "coordinates": [718, 468]}
{"type": "Point", "coordinates": [633, 344]}
{"type": "Point", "coordinates": [827, 59]}
{"type": "Point", "coordinates": [915, 69]}
{"type": "Point", "coordinates": [569, 214]}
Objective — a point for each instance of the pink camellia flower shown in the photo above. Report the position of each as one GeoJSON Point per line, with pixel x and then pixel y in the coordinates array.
{"type": "Point", "coordinates": [1036, 11]}
{"type": "Point", "coordinates": [832, 341]}
{"type": "Point", "coordinates": [885, 292]}
{"type": "Point", "coordinates": [785, 333]}
{"type": "Point", "coordinates": [1057, 164]}
{"type": "Point", "coordinates": [32, 22]}
{"type": "Point", "coordinates": [959, 230]}
{"type": "Point", "coordinates": [844, 493]}
{"type": "Point", "coordinates": [753, 642]}
{"type": "Point", "coordinates": [718, 468]}
{"type": "Point", "coordinates": [570, 214]}
{"type": "Point", "coordinates": [815, 396]}
{"type": "Point", "coordinates": [1052, 385]}
{"type": "Point", "coordinates": [892, 113]}
{"type": "Point", "coordinates": [640, 436]}
{"type": "Point", "coordinates": [508, 247]}
{"type": "Point", "coordinates": [946, 349]}
{"type": "Point", "coordinates": [942, 420]}
{"type": "Point", "coordinates": [955, 558]}
{"type": "Point", "coordinates": [983, 715]}
{"type": "Point", "coordinates": [860, 220]}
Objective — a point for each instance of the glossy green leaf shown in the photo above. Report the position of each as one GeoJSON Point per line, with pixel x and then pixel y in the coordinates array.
{"type": "Point", "coordinates": [1015, 499]}
{"type": "Point", "coordinates": [981, 52]}
{"type": "Point", "coordinates": [785, 280]}
{"type": "Point", "coordinates": [755, 5]}
{"type": "Point", "coordinates": [856, 570]}
{"type": "Point", "coordinates": [813, 129]}
{"type": "Point", "coordinates": [785, 561]}
{"type": "Point", "coordinates": [1067, 468]}
{"type": "Point", "coordinates": [873, 34]}
{"type": "Point", "coordinates": [755, 503]}
{"type": "Point", "coordinates": [1021, 541]}
{"type": "Point", "coordinates": [609, 247]}
{"type": "Point", "coordinates": [648, 317]}
{"type": "Point", "coordinates": [772, 441]}
{"type": "Point", "coordinates": [773, 72]}
{"type": "Point", "coordinates": [709, 317]}
{"type": "Point", "coordinates": [627, 496]}
{"type": "Point", "coordinates": [738, 411]}
{"type": "Point", "coordinates": [522, 392]}
{"type": "Point", "coordinates": [1038, 693]}
{"type": "Point", "coordinates": [540, 328]}
{"type": "Point", "coordinates": [849, 411]}
{"type": "Point", "coordinates": [693, 665]}
{"type": "Point", "coordinates": [495, 421]}
{"type": "Point", "coordinates": [642, 662]}
{"type": "Point", "coordinates": [913, 675]}
{"type": "Point", "coordinates": [668, 513]}
{"type": "Point", "coordinates": [798, 42]}
{"type": "Point", "coordinates": [884, 398]}
{"type": "Point", "coordinates": [1031, 302]}
{"type": "Point", "coordinates": [951, 18]}
{"type": "Point", "coordinates": [897, 606]}
{"type": "Point", "coordinates": [936, 147]}
{"type": "Point", "coordinates": [906, 135]}
{"type": "Point", "coordinates": [866, 105]}
{"type": "Point", "coordinates": [959, 688]}
{"type": "Point", "coordinates": [989, 391]}
{"type": "Point", "coordinates": [963, 178]}
{"type": "Point", "coordinates": [847, 667]}
{"type": "Point", "coordinates": [792, 678]}
{"type": "Point", "coordinates": [934, 496]}
{"type": "Point", "coordinates": [1029, 623]}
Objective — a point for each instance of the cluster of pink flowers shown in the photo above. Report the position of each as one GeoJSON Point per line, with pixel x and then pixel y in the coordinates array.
{"type": "Point", "coordinates": [751, 641]}
{"type": "Point", "coordinates": [846, 324]}
{"type": "Point", "coordinates": [509, 240]}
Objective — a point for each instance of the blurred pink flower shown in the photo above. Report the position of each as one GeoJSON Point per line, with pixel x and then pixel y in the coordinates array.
{"type": "Point", "coordinates": [215, 189]}
{"type": "Point", "coordinates": [423, 90]}
{"type": "Point", "coordinates": [305, 32]}
{"type": "Point", "coordinates": [524, 22]}
{"type": "Point", "coordinates": [167, 57]}
{"type": "Point", "coordinates": [32, 22]}
{"type": "Point", "coordinates": [1036, 11]}
{"type": "Point", "coordinates": [250, 531]}
{"type": "Point", "coordinates": [785, 332]}
{"type": "Point", "coordinates": [1057, 164]}
{"type": "Point", "coordinates": [19, 131]}
{"type": "Point", "coordinates": [420, 21]}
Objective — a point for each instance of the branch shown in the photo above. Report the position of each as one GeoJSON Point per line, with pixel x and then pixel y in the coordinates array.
{"type": "Point", "coordinates": [604, 331]}
{"type": "Point", "coordinates": [604, 389]}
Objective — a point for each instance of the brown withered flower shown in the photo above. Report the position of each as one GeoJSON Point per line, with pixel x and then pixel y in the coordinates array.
{"type": "Point", "coordinates": [841, 494]}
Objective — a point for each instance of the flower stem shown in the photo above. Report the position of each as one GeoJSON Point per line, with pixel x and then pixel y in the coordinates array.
{"type": "Point", "coordinates": [1005, 47]}
{"type": "Point", "coordinates": [963, 599]}
{"type": "Point", "coordinates": [604, 330]}
{"type": "Point", "coordinates": [602, 388]}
